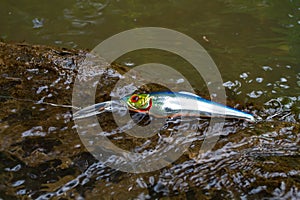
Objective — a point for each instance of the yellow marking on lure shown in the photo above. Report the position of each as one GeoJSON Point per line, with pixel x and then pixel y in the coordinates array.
{"type": "Point", "coordinates": [139, 102]}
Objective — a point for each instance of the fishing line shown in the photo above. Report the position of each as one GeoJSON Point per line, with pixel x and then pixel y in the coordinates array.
{"type": "Point", "coordinates": [40, 102]}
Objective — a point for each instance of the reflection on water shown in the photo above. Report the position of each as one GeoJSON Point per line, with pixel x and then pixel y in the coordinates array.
{"type": "Point", "coordinates": [256, 46]}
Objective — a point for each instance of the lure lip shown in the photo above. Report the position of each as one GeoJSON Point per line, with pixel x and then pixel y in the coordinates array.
{"type": "Point", "coordinates": [107, 106]}
{"type": "Point", "coordinates": [91, 110]}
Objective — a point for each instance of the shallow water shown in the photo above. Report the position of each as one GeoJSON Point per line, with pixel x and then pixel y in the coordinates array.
{"type": "Point", "coordinates": [256, 47]}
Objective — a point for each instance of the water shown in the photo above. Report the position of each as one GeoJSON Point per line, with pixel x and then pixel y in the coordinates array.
{"type": "Point", "coordinates": [256, 47]}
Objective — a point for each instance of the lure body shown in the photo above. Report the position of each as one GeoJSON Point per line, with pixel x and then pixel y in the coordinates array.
{"type": "Point", "coordinates": [172, 104]}
{"type": "Point", "coordinates": [167, 104]}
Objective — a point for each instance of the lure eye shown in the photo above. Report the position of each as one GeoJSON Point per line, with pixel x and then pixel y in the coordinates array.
{"type": "Point", "coordinates": [134, 98]}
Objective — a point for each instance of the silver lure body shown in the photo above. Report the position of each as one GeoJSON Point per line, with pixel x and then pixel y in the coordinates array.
{"type": "Point", "coordinates": [166, 104]}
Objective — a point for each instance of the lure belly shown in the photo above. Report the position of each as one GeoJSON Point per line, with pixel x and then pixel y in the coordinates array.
{"type": "Point", "coordinates": [167, 104]}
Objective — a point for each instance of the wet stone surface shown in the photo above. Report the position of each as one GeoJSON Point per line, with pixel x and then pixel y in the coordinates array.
{"type": "Point", "coordinates": [42, 156]}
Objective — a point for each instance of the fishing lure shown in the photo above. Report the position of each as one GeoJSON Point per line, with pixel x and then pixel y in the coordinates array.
{"type": "Point", "coordinates": [166, 104]}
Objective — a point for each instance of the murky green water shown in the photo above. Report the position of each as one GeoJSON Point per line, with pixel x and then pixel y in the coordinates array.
{"type": "Point", "coordinates": [256, 46]}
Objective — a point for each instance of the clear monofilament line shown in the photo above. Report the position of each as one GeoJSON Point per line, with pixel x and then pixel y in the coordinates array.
{"type": "Point", "coordinates": [40, 102]}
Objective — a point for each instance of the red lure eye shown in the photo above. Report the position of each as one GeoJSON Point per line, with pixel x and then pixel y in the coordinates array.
{"type": "Point", "coordinates": [134, 98]}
